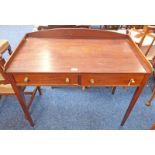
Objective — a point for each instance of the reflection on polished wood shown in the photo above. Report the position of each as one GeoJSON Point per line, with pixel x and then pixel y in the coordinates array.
{"type": "Point", "coordinates": [79, 57]}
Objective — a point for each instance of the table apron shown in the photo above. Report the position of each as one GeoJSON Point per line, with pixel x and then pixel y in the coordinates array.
{"type": "Point", "coordinates": [90, 79]}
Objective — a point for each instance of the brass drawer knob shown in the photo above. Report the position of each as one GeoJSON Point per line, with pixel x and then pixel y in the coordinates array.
{"type": "Point", "coordinates": [92, 81]}
{"type": "Point", "coordinates": [26, 79]}
{"type": "Point", "coordinates": [132, 81]}
{"type": "Point", "coordinates": [67, 80]}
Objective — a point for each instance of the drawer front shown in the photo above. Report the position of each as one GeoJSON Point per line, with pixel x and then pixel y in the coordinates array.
{"type": "Point", "coordinates": [112, 79]}
{"type": "Point", "coordinates": [46, 79]}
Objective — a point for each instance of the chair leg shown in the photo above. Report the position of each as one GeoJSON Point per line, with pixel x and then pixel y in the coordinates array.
{"type": "Point", "coordinates": [31, 98]}
{"type": "Point", "coordinates": [148, 102]}
{"type": "Point", "coordinates": [113, 90]}
{"type": "Point", "coordinates": [39, 90]}
{"type": "Point", "coordinates": [149, 47]}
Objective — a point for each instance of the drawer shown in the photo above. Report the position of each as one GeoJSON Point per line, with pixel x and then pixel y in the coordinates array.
{"type": "Point", "coordinates": [111, 79]}
{"type": "Point", "coordinates": [46, 79]}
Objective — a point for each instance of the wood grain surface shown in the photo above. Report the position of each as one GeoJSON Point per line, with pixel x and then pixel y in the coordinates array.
{"type": "Point", "coordinates": [76, 55]}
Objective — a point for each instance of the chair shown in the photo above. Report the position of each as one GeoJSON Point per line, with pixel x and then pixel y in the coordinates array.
{"type": "Point", "coordinates": [148, 102]}
{"type": "Point", "coordinates": [5, 86]}
{"type": "Point", "coordinates": [147, 43]}
{"type": "Point", "coordinates": [4, 45]}
{"type": "Point", "coordinates": [145, 39]}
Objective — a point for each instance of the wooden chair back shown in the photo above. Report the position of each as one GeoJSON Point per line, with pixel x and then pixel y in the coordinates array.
{"type": "Point", "coordinates": [148, 30]}
{"type": "Point", "coordinates": [3, 76]}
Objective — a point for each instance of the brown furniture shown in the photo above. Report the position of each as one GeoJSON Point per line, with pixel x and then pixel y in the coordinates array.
{"type": "Point", "coordinates": [40, 27]}
{"type": "Point", "coordinates": [145, 39]}
{"type": "Point", "coordinates": [4, 46]}
{"type": "Point", "coordinates": [6, 88]}
{"type": "Point", "coordinates": [78, 58]}
{"type": "Point", "coordinates": [148, 102]}
{"type": "Point", "coordinates": [146, 42]}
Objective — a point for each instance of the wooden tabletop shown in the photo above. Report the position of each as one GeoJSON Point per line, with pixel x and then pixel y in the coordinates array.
{"type": "Point", "coordinates": [67, 51]}
{"type": "Point", "coordinates": [67, 55]}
